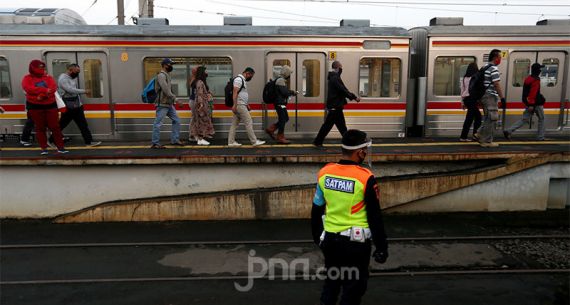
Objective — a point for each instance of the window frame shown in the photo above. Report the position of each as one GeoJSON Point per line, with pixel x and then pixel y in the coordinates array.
{"type": "Point", "coordinates": [11, 95]}
{"type": "Point", "coordinates": [433, 74]}
{"type": "Point", "coordinates": [379, 97]}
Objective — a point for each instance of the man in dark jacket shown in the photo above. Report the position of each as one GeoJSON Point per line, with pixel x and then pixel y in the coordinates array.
{"type": "Point", "coordinates": [282, 95]}
{"type": "Point", "coordinates": [336, 99]}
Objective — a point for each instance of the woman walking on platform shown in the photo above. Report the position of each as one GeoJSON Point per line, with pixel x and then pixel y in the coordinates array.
{"type": "Point", "coordinates": [201, 125]}
{"type": "Point", "coordinates": [473, 114]}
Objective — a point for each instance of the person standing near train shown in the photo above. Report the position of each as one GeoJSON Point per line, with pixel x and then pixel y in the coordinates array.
{"type": "Point", "coordinates": [40, 91]}
{"type": "Point", "coordinates": [348, 197]}
{"type": "Point", "coordinates": [165, 106]}
{"type": "Point", "coordinates": [473, 115]}
{"type": "Point", "coordinates": [241, 109]}
{"type": "Point", "coordinates": [490, 99]}
{"type": "Point", "coordinates": [336, 99]}
{"type": "Point", "coordinates": [282, 95]}
{"type": "Point", "coordinates": [201, 125]}
{"type": "Point", "coordinates": [534, 102]}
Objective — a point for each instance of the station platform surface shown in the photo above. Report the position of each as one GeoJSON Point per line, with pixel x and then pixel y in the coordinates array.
{"type": "Point", "coordinates": [12, 153]}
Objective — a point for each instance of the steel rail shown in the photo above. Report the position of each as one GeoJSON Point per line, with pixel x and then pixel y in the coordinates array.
{"type": "Point", "coordinates": [253, 242]}
{"type": "Point", "coordinates": [279, 277]}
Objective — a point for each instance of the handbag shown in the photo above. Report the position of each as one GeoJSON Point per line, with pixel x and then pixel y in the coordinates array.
{"type": "Point", "coordinates": [60, 103]}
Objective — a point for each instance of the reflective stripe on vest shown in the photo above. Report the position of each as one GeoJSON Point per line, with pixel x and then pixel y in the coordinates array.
{"type": "Point", "coordinates": [343, 188]}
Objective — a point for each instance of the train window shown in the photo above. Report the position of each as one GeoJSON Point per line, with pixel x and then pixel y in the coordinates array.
{"type": "Point", "coordinates": [311, 77]}
{"type": "Point", "coordinates": [219, 71]}
{"type": "Point", "coordinates": [93, 77]}
{"type": "Point", "coordinates": [521, 70]}
{"type": "Point", "coordinates": [549, 75]}
{"type": "Point", "coordinates": [5, 89]}
{"type": "Point", "coordinates": [379, 77]}
{"type": "Point", "coordinates": [448, 72]}
{"type": "Point", "coordinates": [59, 66]}
{"type": "Point", "coordinates": [277, 64]}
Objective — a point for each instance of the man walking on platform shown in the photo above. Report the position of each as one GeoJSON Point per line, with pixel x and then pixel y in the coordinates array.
{"type": "Point", "coordinates": [534, 102]}
{"type": "Point", "coordinates": [70, 93]}
{"type": "Point", "coordinates": [490, 100]}
{"type": "Point", "coordinates": [347, 195]}
{"type": "Point", "coordinates": [165, 106]}
{"type": "Point", "coordinates": [336, 99]}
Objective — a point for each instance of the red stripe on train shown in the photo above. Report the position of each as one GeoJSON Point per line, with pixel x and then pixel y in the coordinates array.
{"type": "Point", "coordinates": [504, 43]}
{"type": "Point", "coordinates": [182, 43]}
{"type": "Point", "coordinates": [510, 105]}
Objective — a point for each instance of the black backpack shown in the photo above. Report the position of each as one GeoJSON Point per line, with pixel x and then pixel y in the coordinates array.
{"type": "Point", "coordinates": [270, 92]}
{"type": "Point", "coordinates": [229, 91]}
{"type": "Point", "coordinates": [477, 84]}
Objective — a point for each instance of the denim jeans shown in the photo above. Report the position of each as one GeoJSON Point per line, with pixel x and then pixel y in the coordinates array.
{"type": "Point", "coordinates": [161, 112]}
{"type": "Point", "coordinates": [527, 115]}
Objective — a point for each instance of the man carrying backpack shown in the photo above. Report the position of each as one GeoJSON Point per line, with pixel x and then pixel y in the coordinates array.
{"type": "Point", "coordinates": [533, 101]}
{"type": "Point", "coordinates": [240, 108]}
{"type": "Point", "coordinates": [282, 94]}
{"type": "Point", "coordinates": [165, 106]}
{"type": "Point", "coordinates": [490, 99]}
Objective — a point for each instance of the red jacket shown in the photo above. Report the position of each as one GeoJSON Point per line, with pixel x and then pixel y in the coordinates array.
{"type": "Point", "coordinates": [534, 84]}
{"type": "Point", "coordinates": [37, 89]}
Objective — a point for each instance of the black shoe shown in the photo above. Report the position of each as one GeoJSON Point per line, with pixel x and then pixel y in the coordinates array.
{"type": "Point", "coordinates": [507, 135]}
{"type": "Point", "coordinates": [157, 146]}
{"type": "Point", "coordinates": [179, 143]}
{"type": "Point", "coordinates": [319, 146]}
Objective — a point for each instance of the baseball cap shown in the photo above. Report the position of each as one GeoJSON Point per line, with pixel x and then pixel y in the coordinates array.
{"type": "Point", "coordinates": [249, 69]}
{"type": "Point", "coordinates": [354, 139]}
{"type": "Point", "coordinates": [167, 61]}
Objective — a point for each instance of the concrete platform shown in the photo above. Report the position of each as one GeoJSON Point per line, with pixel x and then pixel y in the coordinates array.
{"type": "Point", "coordinates": [131, 182]}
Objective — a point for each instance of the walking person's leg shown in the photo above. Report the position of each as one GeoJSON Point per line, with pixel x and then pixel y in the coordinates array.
{"type": "Point", "coordinates": [81, 122]}
{"type": "Point", "coordinates": [539, 110]}
{"type": "Point", "coordinates": [325, 128]}
{"type": "Point", "coordinates": [245, 117]}
{"type": "Point", "coordinates": [469, 116]}
{"type": "Point", "coordinates": [53, 124]}
{"type": "Point", "coordinates": [27, 130]}
{"type": "Point", "coordinates": [173, 115]}
{"type": "Point", "coordinates": [340, 122]}
{"type": "Point", "coordinates": [160, 114]}
{"type": "Point", "coordinates": [233, 128]}
{"type": "Point", "coordinates": [40, 122]}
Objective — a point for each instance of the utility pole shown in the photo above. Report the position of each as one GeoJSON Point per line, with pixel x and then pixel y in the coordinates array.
{"type": "Point", "coordinates": [121, 12]}
{"type": "Point", "coordinates": [146, 8]}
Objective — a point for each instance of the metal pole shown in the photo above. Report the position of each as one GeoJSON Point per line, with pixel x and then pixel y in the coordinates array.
{"type": "Point", "coordinates": [143, 8]}
{"type": "Point", "coordinates": [151, 8]}
{"type": "Point", "coordinates": [121, 12]}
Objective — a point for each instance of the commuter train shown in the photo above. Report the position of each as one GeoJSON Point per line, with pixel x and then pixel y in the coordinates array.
{"type": "Point", "coordinates": [408, 79]}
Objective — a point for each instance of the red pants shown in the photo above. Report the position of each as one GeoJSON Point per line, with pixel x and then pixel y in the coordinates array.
{"type": "Point", "coordinates": [47, 118]}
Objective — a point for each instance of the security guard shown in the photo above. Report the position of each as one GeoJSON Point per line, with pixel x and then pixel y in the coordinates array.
{"type": "Point", "coordinates": [347, 196]}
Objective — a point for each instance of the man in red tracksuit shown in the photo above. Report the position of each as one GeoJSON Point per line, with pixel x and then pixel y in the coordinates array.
{"type": "Point", "coordinates": [40, 91]}
{"type": "Point", "coordinates": [534, 102]}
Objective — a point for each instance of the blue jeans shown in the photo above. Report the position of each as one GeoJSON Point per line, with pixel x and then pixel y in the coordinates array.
{"type": "Point", "coordinates": [161, 112]}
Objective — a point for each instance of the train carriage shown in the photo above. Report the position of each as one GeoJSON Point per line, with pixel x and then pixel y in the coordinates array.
{"type": "Point", "coordinates": [442, 51]}
{"type": "Point", "coordinates": [117, 61]}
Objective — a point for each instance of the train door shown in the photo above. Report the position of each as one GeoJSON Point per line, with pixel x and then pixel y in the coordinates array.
{"type": "Point", "coordinates": [94, 78]}
{"type": "Point", "coordinates": [305, 110]}
{"type": "Point", "coordinates": [552, 84]}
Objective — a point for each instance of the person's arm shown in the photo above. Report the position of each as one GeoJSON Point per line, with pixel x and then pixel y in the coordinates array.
{"type": "Point", "coordinates": [69, 86]}
{"type": "Point", "coordinates": [238, 83]}
{"type": "Point", "coordinates": [31, 89]}
{"type": "Point", "coordinates": [375, 221]}
{"type": "Point", "coordinates": [337, 83]}
{"type": "Point", "coordinates": [317, 212]}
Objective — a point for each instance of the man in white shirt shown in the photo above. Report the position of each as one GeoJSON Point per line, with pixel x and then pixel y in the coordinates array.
{"type": "Point", "coordinates": [241, 109]}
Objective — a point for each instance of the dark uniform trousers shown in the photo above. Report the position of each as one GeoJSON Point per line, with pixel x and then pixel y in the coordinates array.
{"type": "Point", "coordinates": [78, 116]}
{"type": "Point", "coordinates": [334, 117]}
{"type": "Point", "coordinates": [340, 252]}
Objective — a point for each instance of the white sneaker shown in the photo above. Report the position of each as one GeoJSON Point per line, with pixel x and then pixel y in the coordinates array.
{"type": "Point", "coordinates": [234, 144]}
{"type": "Point", "coordinates": [203, 142]}
{"type": "Point", "coordinates": [258, 142]}
{"type": "Point", "coordinates": [93, 144]}
{"type": "Point", "coordinates": [25, 143]}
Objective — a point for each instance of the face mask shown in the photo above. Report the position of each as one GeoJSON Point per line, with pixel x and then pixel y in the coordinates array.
{"type": "Point", "coordinates": [74, 74]}
{"type": "Point", "coordinates": [339, 71]}
{"type": "Point", "coordinates": [169, 68]}
{"type": "Point", "coordinates": [247, 79]}
{"type": "Point", "coordinates": [39, 71]}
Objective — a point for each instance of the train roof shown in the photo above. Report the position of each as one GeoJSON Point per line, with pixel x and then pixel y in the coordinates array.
{"type": "Point", "coordinates": [205, 31]}
{"type": "Point", "coordinates": [523, 30]}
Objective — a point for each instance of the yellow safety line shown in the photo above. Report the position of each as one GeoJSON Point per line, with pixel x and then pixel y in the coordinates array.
{"type": "Point", "coordinates": [294, 145]}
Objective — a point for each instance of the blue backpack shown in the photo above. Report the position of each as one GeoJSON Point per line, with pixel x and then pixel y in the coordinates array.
{"type": "Point", "coordinates": [150, 93]}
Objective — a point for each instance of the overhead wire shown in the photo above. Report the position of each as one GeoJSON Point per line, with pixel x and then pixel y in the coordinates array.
{"type": "Point", "coordinates": [494, 3]}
